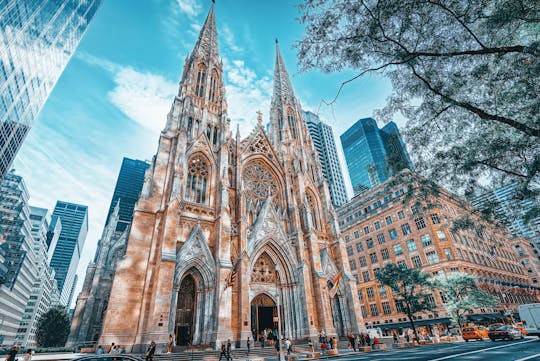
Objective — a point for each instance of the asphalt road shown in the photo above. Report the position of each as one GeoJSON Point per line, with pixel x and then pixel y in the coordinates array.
{"type": "Point", "coordinates": [521, 350]}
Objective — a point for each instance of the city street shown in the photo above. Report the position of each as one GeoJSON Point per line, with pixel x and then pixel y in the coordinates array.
{"type": "Point", "coordinates": [527, 349]}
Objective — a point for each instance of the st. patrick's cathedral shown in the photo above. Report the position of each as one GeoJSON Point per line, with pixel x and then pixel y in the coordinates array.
{"type": "Point", "coordinates": [228, 228]}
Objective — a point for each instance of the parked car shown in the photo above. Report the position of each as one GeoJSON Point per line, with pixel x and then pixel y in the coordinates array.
{"type": "Point", "coordinates": [474, 333]}
{"type": "Point", "coordinates": [109, 358]}
{"type": "Point", "coordinates": [530, 317]}
{"type": "Point", "coordinates": [506, 332]}
{"type": "Point", "coordinates": [495, 326]}
{"type": "Point", "coordinates": [521, 328]}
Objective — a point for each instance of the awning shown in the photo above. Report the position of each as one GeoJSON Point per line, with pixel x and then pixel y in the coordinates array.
{"type": "Point", "coordinates": [432, 321]}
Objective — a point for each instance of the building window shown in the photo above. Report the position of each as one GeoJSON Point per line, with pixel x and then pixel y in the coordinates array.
{"type": "Point", "coordinates": [361, 295]}
{"type": "Point", "coordinates": [201, 77]}
{"type": "Point", "coordinates": [352, 263]}
{"type": "Point", "coordinates": [370, 292]}
{"type": "Point", "coordinates": [369, 243]}
{"type": "Point", "coordinates": [417, 261]}
{"type": "Point", "coordinates": [406, 229]}
{"type": "Point", "coordinates": [364, 312]}
{"type": "Point", "coordinates": [356, 234]}
{"type": "Point", "coordinates": [363, 262]}
{"type": "Point", "coordinates": [426, 240]}
{"type": "Point", "coordinates": [365, 276]}
{"type": "Point", "coordinates": [448, 254]}
{"type": "Point", "coordinates": [359, 247]}
{"type": "Point", "coordinates": [197, 180]}
{"type": "Point", "coordinates": [385, 254]}
{"type": "Point", "coordinates": [401, 214]}
{"type": "Point", "coordinates": [347, 238]}
{"type": "Point", "coordinates": [441, 235]}
{"type": "Point", "coordinates": [377, 225]}
{"type": "Point", "coordinates": [213, 86]}
{"type": "Point", "coordinates": [382, 291]}
{"type": "Point", "coordinates": [380, 238]}
{"type": "Point", "coordinates": [432, 257]}
{"type": "Point", "coordinates": [430, 300]}
{"type": "Point", "coordinates": [398, 250]}
{"type": "Point", "coordinates": [416, 209]}
{"type": "Point", "coordinates": [420, 223]}
{"type": "Point", "coordinates": [435, 219]}
{"type": "Point", "coordinates": [349, 251]}
{"type": "Point", "coordinates": [366, 230]}
{"type": "Point", "coordinates": [411, 245]}
{"type": "Point", "coordinates": [386, 308]}
{"type": "Point", "coordinates": [399, 306]}
{"type": "Point", "coordinates": [393, 234]}
{"type": "Point", "coordinates": [374, 309]}
{"type": "Point", "coordinates": [388, 220]}
{"type": "Point", "coordinates": [373, 257]}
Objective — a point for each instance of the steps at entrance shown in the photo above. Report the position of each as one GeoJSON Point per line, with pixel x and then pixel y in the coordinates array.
{"type": "Point", "coordinates": [211, 355]}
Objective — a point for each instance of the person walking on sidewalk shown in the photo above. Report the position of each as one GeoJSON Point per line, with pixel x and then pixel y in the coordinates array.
{"type": "Point", "coordinates": [229, 346]}
{"type": "Point", "coordinates": [248, 343]}
{"type": "Point", "coordinates": [223, 352]}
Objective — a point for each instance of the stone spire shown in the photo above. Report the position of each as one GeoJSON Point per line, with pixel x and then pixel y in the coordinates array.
{"type": "Point", "coordinates": [207, 43]}
{"type": "Point", "coordinates": [283, 90]}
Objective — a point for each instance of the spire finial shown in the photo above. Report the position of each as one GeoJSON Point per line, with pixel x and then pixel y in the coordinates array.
{"type": "Point", "coordinates": [259, 117]}
{"type": "Point", "coordinates": [277, 42]}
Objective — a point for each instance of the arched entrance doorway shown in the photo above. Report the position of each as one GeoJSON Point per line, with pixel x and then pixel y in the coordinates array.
{"type": "Point", "coordinates": [185, 311]}
{"type": "Point", "coordinates": [263, 314]}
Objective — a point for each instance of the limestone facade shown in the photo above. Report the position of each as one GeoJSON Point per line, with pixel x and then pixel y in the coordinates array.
{"type": "Point", "coordinates": [214, 204]}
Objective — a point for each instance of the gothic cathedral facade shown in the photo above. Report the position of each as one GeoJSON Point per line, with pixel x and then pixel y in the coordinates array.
{"type": "Point", "coordinates": [227, 228]}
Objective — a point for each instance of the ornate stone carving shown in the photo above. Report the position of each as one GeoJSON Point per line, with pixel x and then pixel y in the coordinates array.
{"type": "Point", "coordinates": [260, 183]}
{"type": "Point", "coordinates": [264, 270]}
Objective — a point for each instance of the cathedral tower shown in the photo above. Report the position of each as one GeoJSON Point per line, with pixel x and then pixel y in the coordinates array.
{"type": "Point", "coordinates": [226, 229]}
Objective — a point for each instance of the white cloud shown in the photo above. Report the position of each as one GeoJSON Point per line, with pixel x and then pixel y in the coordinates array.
{"type": "Point", "coordinates": [191, 8]}
{"type": "Point", "coordinates": [144, 97]}
{"type": "Point", "coordinates": [228, 36]}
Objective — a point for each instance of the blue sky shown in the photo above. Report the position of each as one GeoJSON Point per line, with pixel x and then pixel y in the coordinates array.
{"type": "Point", "coordinates": [113, 96]}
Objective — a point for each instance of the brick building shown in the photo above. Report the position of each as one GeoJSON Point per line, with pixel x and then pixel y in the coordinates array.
{"type": "Point", "coordinates": [412, 221]}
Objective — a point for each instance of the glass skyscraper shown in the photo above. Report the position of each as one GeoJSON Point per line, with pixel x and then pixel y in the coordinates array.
{"type": "Point", "coordinates": [67, 253]}
{"type": "Point", "coordinates": [323, 139]}
{"type": "Point", "coordinates": [128, 187]}
{"type": "Point", "coordinates": [373, 155]}
{"type": "Point", "coordinates": [37, 39]}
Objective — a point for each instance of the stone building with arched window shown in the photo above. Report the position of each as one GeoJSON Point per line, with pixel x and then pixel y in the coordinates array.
{"type": "Point", "coordinates": [214, 204]}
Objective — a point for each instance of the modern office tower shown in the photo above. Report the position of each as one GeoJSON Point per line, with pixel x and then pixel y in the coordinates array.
{"type": "Point", "coordinates": [20, 258]}
{"type": "Point", "coordinates": [128, 187]}
{"type": "Point", "coordinates": [396, 222]}
{"type": "Point", "coordinates": [323, 140]}
{"type": "Point", "coordinates": [37, 39]}
{"type": "Point", "coordinates": [507, 205]}
{"type": "Point", "coordinates": [372, 154]}
{"type": "Point", "coordinates": [53, 234]}
{"type": "Point", "coordinates": [67, 252]}
{"type": "Point", "coordinates": [45, 289]}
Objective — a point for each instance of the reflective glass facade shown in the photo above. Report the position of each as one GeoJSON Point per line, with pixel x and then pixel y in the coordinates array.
{"type": "Point", "coordinates": [372, 154]}
{"type": "Point", "coordinates": [67, 253]}
{"type": "Point", "coordinates": [37, 39]}
{"type": "Point", "coordinates": [128, 187]}
{"type": "Point", "coordinates": [323, 139]}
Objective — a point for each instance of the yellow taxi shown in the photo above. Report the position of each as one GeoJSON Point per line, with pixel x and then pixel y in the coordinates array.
{"type": "Point", "coordinates": [474, 333]}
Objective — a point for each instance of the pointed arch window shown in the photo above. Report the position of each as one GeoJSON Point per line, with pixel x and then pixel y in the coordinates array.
{"type": "Point", "coordinates": [201, 77]}
{"type": "Point", "coordinates": [215, 137]}
{"type": "Point", "coordinates": [290, 120]}
{"type": "Point", "coordinates": [213, 95]}
{"type": "Point", "coordinates": [197, 180]}
{"type": "Point", "coordinates": [314, 211]}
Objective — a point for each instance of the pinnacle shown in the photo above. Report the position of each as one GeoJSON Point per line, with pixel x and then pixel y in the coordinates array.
{"type": "Point", "coordinates": [207, 40]}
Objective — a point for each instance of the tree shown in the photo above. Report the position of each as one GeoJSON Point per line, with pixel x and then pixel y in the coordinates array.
{"type": "Point", "coordinates": [53, 327]}
{"type": "Point", "coordinates": [462, 295]}
{"type": "Point", "coordinates": [409, 288]}
{"type": "Point", "coordinates": [464, 74]}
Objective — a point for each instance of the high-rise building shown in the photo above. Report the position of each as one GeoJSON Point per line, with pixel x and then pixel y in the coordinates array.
{"type": "Point", "coordinates": [372, 154]}
{"type": "Point", "coordinates": [325, 145]}
{"type": "Point", "coordinates": [45, 289]}
{"type": "Point", "coordinates": [214, 205]}
{"type": "Point", "coordinates": [37, 39]}
{"type": "Point", "coordinates": [409, 221]}
{"type": "Point", "coordinates": [127, 190]}
{"type": "Point", "coordinates": [506, 203]}
{"type": "Point", "coordinates": [20, 256]}
{"type": "Point", "coordinates": [67, 253]}
{"type": "Point", "coordinates": [55, 228]}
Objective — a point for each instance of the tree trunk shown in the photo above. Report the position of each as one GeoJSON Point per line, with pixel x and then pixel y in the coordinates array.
{"type": "Point", "coordinates": [410, 316]}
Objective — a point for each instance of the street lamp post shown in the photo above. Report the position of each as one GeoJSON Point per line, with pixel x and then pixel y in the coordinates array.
{"type": "Point", "coordinates": [281, 358]}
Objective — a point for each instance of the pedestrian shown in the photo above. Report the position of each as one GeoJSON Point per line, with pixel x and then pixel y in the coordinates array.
{"type": "Point", "coordinates": [363, 339]}
{"type": "Point", "coordinates": [288, 346]}
{"type": "Point", "coordinates": [262, 339]}
{"type": "Point", "coordinates": [223, 352]}
{"type": "Point", "coordinates": [352, 340]}
{"type": "Point", "coordinates": [111, 348]}
{"type": "Point", "coordinates": [334, 343]}
{"type": "Point", "coordinates": [27, 356]}
{"type": "Point", "coordinates": [276, 345]}
{"type": "Point", "coordinates": [151, 351]}
{"type": "Point", "coordinates": [395, 338]}
{"type": "Point", "coordinates": [12, 353]}
{"type": "Point", "coordinates": [310, 345]}
{"type": "Point", "coordinates": [229, 354]}
{"type": "Point", "coordinates": [170, 344]}
{"type": "Point", "coordinates": [248, 343]}
{"type": "Point", "coordinates": [100, 350]}
{"type": "Point", "coordinates": [407, 338]}
{"type": "Point", "coordinates": [368, 340]}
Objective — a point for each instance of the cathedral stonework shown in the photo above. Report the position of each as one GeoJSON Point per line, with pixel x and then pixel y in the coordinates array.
{"type": "Point", "coordinates": [213, 204]}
